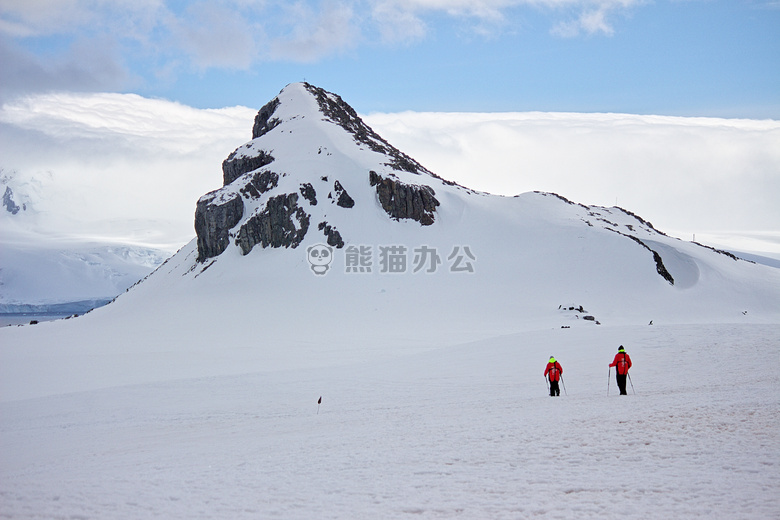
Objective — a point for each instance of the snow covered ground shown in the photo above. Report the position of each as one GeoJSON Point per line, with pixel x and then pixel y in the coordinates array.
{"type": "Point", "coordinates": [460, 432]}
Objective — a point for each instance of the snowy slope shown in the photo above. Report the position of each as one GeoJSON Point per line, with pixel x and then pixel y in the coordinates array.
{"type": "Point", "coordinates": [51, 271]}
{"type": "Point", "coordinates": [194, 394]}
{"type": "Point", "coordinates": [463, 432]}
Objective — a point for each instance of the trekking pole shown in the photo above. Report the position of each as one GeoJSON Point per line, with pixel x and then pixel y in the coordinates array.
{"type": "Point", "coordinates": [609, 376]}
{"type": "Point", "coordinates": [564, 386]}
{"type": "Point", "coordinates": [548, 385]}
{"type": "Point", "coordinates": [632, 383]}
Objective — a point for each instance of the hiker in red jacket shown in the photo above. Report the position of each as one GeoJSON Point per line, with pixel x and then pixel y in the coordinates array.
{"type": "Point", "coordinates": [622, 362]}
{"type": "Point", "coordinates": [553, 372]}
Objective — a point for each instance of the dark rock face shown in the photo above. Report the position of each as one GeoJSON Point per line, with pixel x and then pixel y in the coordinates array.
{"type": "Point", "coordinates": [213, 222]}
{"type": "Point", "coordinates": [308, 192]}
{"type": "Point", "coordinates": [275, 226]}
{"type": "Point", "coordinates": [260, 183]}
{"type": "Point", "coordinates": [233, 168]}
{"type": "Point", "coordinates": [263, 121]}
{"type": "Point", "coordinates": [8, 201]}
{"type": "Point", "coordinates": [334, 237]}
{"type": "Point", "coordinates": [342, 197]}
{"type": "Point", "coordinates": [401, 200]}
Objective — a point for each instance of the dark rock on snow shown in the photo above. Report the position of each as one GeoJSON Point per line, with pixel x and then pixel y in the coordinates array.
{"type": "Point", "coordinates": [213, 221]}
{"type": "Point", "coordinates": [263, 121]}
{"type": "Point", "coordinates": [233, 168]}
{"type": "Point", "coordinates": [342, 197]}
{"type": "Point", "coordinates": [308, 192]}
{"type": "Point", "coordinates": [282, 223]}
{"type": "Point", "coordinates": [407, 201]}
{"type": "Point", "coordinates": [8, 201]}
{"type": "Point", "coordinates": [333, 236]}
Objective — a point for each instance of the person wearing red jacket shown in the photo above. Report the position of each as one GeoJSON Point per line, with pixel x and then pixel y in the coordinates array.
{"type": "Point", "coordinates": [622, 362]}
{"type": "Point", "coordinates": [553, 372]}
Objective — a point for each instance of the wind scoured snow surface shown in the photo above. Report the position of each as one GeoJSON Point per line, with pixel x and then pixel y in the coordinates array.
{"type": "Point", "coordinates": [463, 432]}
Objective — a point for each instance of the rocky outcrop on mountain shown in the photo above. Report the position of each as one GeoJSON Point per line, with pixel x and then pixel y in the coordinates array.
{"type": "Point", "coordinates": [274, 208]}
{"type": "Point", "coordinates": [405, 201]}
{"type": "Point", "coordinates": [259, 183]}
{"type": "Point", "coordinates": [8, 201]}
{"type": "Point", "coordinates": [235, 166]}
{"type": "Point", "coordinates": [659, 261]}
{"type": "Point", "coordinates": [342, 197]}
{"type": "Point", "coordinates": [309, 193]}
{"type": "Point", "coordinates": [264, 123]}
{"type": "Point", "coordinates": [214, 218]}
{"type": "Point", "coordinates": [333, 236]}
{"type": "Point", "coordinates": [282, 223]}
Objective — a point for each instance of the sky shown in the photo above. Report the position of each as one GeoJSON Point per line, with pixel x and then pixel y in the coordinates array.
{"type": "Point", "coordinates": [116, 115]}
{"type": "Point", "coordinates": [669, 57]}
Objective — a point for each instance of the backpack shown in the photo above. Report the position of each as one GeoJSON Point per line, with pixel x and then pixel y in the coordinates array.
{"type": "Point", "coordinates": [622, 366]}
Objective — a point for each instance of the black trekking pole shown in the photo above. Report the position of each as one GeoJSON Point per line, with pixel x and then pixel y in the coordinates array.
{"type": "Point", "coordinates": [609, 376]}
{"type": "Point", "coordinates": [632, 383]}
{"type": "Point", "coordinates": [564, 386]}
{"type": "Point", "coordinates": [548, 385]}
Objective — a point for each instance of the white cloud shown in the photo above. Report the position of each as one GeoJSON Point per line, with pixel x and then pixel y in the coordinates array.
{"type": "Point", "coordinates": [590, 22]}
{"type": "Point", "coordinates": [315, 32]}
{"type": "Point", "coordinates": [396, 24]}
{"type": "Point", "coordinates": [116, 166]}
{"type": "Point", "coordinates": [683, 174]}
{"type": "Point", "coordinates": [592, 16]}
{"type": "Point", "coordinates": [132, 168]}
{"type": "Point", "coordinates": [133, 18]}
{"type": "Point", "coordinates": [238, 34]}
{"type": "Point", "coordinates": [214, 36]}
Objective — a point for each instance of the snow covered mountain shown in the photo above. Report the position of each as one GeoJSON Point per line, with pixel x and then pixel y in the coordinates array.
{"type": "Point", "coordinates": [314, 175]}
{"type": "Point", "coordinates": [326, 244]}
{"type": "Point", "coordinates": [45, 271]}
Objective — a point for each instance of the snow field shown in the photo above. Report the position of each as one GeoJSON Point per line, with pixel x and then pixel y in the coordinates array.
{"type": "Point", "coordinates": [461, 432]}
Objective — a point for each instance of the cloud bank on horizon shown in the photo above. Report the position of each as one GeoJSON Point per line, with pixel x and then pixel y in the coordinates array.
{"type": "Point", "coordinates": [124, 168]}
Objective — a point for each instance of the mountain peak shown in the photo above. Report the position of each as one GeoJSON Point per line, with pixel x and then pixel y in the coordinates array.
{"type": "Point", "coordinates": [301, 100]}
{"type": "Point", "coordinates": [308, 141]}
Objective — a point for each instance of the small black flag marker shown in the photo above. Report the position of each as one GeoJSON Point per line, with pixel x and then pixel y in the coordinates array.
{"type": "Point", "coordinates": [319, 402]}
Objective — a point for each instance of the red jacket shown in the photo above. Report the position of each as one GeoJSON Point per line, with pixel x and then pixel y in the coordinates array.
{"type": "Point", "coordinates": [623, 362]}
{"type": "Point", "coordinates": [555, 370]}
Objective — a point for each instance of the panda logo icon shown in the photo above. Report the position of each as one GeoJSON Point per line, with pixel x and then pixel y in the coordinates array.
{"type": "Point", "coordinates": [320, 256]}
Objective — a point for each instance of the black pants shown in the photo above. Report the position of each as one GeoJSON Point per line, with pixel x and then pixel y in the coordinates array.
{"type": "Point", "coordinates": [621, 382]}
{"type": "Point", "coordinates": [554, 390]}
